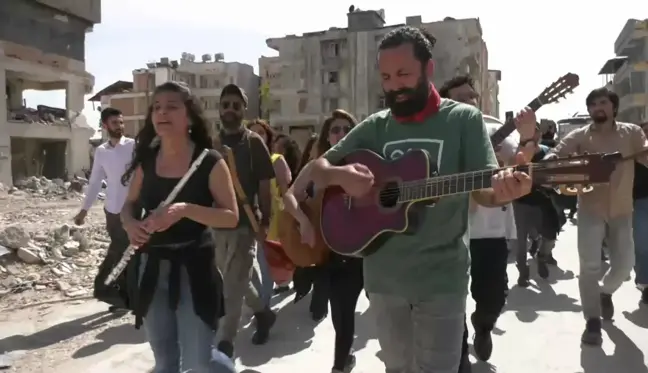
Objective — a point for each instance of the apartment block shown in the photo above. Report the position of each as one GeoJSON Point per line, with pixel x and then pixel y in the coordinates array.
{"type": "Point", "coordinates": [206, 78]}
{"type": "Point", "coordinates": [42, 47]}
{"type": "Point", "coordinates": [318, 72]}
{"type": "Point", "coordinates": [628, 71]}
{"type": "Point", "coordinates": [490, 102]}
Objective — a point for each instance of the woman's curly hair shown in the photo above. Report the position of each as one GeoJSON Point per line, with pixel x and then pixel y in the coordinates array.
{"type": "Point", "coordinates": [144, 150]}
{"type": "Point", "coordinates": [270, 133]}
{"type": "Point", "coordinates": [292, 154]}
{"type": "Point", "coordinates": [323, 144]}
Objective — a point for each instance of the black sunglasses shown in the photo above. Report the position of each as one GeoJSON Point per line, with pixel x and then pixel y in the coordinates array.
{"type": "Point", "coordinates": [336, 130]}
{"type": "Point", "coordinates": [234, 105]}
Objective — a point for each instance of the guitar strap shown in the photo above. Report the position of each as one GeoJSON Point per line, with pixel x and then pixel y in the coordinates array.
{"type": "Point", "coordinates": [238, 188]}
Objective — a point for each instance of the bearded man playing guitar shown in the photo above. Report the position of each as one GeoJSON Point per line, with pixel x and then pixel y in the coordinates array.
{"type": "Point", "coordinates": [417, 283]}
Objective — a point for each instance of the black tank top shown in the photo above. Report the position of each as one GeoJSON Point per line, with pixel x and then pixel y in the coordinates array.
{"type": "Point", "coordinates": [185, 244]}
{"type": "Point", "coordinates": [196, 191]}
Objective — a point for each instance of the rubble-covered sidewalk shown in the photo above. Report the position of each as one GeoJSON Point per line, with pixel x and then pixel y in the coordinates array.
{"type": "Point", "coordinates": [43, 255]}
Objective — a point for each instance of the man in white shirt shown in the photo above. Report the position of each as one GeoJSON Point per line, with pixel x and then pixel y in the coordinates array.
{"type": "Point", "coordinates": [490, 230]}
{"type": "Point", "coordinates": [110, 162]}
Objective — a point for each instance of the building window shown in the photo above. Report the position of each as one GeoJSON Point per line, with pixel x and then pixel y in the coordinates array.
{"type": "Point", "coordinates": [275, 107]}
{"type": "Point", "coordinates": [303, 104]}
{"type": "Point", "coordinates": [209, 102]}
{"type": "Point", "coordinates": [334, 50]}
{"type": "Point", "coordinates": [191, 80]}
{"type": "Point", "coordinates": [204, 81]}
{"type": "Point", "coordinates": [333, 77]}
{"type": "Point", "coordinates": [334, 104]}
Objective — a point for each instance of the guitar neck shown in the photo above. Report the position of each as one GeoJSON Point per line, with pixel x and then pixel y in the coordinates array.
{"type": "Point", "coordinates": [447, 185]}
{"type": "Point", "coordinates": [509, 126]}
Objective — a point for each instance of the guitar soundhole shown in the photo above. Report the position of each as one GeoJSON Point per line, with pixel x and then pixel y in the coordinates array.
{"type": "Point", "coordinates": [389, 194]}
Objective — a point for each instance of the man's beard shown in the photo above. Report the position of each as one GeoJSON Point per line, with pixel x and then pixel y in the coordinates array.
{"type": "Point", "coordinates": [599, 117]}
{"type": "Point", "coordinates": [417, 99]}
{"type": "Point", "coordinates": [231, 121]}
{"type": "Point", "coordinates": [115, 134]}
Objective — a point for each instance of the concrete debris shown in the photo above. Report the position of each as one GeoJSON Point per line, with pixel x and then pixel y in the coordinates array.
{"type": "Point", "coordinates": [43, 186]}
{"type": "Point", "coordinates": [43, 254]}
{"type": "Point", "coordinates": [14, 237]}
{"type": "Point", "coordinates": [45, 115]}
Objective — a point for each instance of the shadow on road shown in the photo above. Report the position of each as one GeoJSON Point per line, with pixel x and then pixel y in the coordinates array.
{"type": "Point", "coordinates": [483, 367]}
{"type": "Point", "coordinates": [122, 334]}
{"type": "Point", "coordinates": [57, 333]}
{"type": "Point", "coordinates": [365, 329]}
{"type": "Point", "coordinates": [639, 316]}
{"type": "Point", "coordinates": [527, 302]}
{"type": "Point", "coordinates": [292, 333]}
{"type": "Point", "coordinates": [627, 357]}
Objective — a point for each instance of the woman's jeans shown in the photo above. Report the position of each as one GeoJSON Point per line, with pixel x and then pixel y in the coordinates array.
{"type": "Point", "coordinates": [265, 284]}
{"type": "Point", "coordinates": [180, 340]}
{"type": "Point", "coordinates": [640, 228]}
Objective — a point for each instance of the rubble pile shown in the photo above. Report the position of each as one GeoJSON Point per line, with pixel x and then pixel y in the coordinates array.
{"type": "Point", "coordinates": [45, 115]}
{"type": "Point", "coordinates": [42, 186]}
{"type": "Point", "coordinates": [63, 259]}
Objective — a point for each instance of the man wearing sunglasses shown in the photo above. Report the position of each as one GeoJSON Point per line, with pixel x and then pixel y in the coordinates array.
{"type": "Point", "coordinates": [236, 249]}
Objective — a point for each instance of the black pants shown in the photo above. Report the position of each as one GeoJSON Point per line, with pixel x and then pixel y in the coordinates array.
{"type": "Point", "coordinates": [118, 293]}
{"type": "Point", "coordinates": [339, 282]}
{"type": "Point", "coordinates": [489, 282]}
{"type": "Point", "coordinates": [346, 284]}
{"type": "Point", "coordinates": [321, 289]}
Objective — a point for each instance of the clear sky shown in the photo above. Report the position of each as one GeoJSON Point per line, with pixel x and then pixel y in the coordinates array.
{"type": "Point", "coordinates": [533, 43]}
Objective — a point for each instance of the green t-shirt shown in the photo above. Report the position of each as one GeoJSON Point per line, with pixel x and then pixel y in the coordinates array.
{"type": "Point", "coordinates": [435, 259]}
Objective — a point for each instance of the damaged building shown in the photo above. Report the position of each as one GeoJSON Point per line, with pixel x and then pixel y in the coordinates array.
{"type": "Point", "coordinates": [318, 72]}
{"type": "Point", "coordinates": [42, 47]}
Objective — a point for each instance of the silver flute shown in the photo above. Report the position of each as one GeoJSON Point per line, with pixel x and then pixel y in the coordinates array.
{"type": "Point", "coordinates": [123, 262]}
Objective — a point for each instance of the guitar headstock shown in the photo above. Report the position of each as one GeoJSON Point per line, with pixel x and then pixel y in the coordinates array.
{"type": "Point", "coordinates": [559, 89]}
{"type": "Point", "coordinates": [584, 169]}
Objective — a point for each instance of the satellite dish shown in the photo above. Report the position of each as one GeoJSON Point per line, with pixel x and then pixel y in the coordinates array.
{"type": "Point", "coordinates": [351, 8]}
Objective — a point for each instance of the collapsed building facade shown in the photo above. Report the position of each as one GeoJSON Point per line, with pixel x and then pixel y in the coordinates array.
{"type": "Point", "coordinates": [42, 47]}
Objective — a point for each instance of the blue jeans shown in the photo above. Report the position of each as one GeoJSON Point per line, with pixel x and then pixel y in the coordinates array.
{"type": "Point", "coordinates": [180, 340]}
{"type": "Point", "coordinates": [640, 228]}
{"type": "Point", "coordinates": [265, 284]}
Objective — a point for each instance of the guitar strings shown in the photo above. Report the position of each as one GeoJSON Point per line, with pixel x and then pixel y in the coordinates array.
{"type": "Point", "coordinates": [462, 177]}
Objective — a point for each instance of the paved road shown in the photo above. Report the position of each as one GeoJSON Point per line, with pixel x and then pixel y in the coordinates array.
{"type": "Point", "coordinates": [538, 333]}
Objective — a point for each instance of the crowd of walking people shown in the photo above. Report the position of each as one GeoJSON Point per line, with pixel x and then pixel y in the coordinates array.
{"type": "Point", "coordinates": [220, 244]}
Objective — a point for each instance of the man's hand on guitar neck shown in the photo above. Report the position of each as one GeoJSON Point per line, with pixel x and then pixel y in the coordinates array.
{"type": "Point", "coordinates": [507, 185]}
{"type": "Point", "coordinates": [525, 122]}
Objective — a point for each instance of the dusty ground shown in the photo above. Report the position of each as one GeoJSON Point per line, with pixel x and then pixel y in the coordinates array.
{"type": "Point", "coordinates": [539, 332]}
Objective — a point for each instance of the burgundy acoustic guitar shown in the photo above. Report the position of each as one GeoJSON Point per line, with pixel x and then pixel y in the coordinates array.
{"type": "Point", "coordinates": [357, 226]}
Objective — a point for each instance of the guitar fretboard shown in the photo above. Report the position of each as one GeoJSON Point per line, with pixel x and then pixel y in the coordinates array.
{"type": "Point", "coordinates": [509, 126]}
{"type": "Point", "coordinates": [441, 186]}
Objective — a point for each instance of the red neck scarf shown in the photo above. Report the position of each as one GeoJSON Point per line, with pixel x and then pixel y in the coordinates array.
{"type": "Point", "coordinates": [431, 108]}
